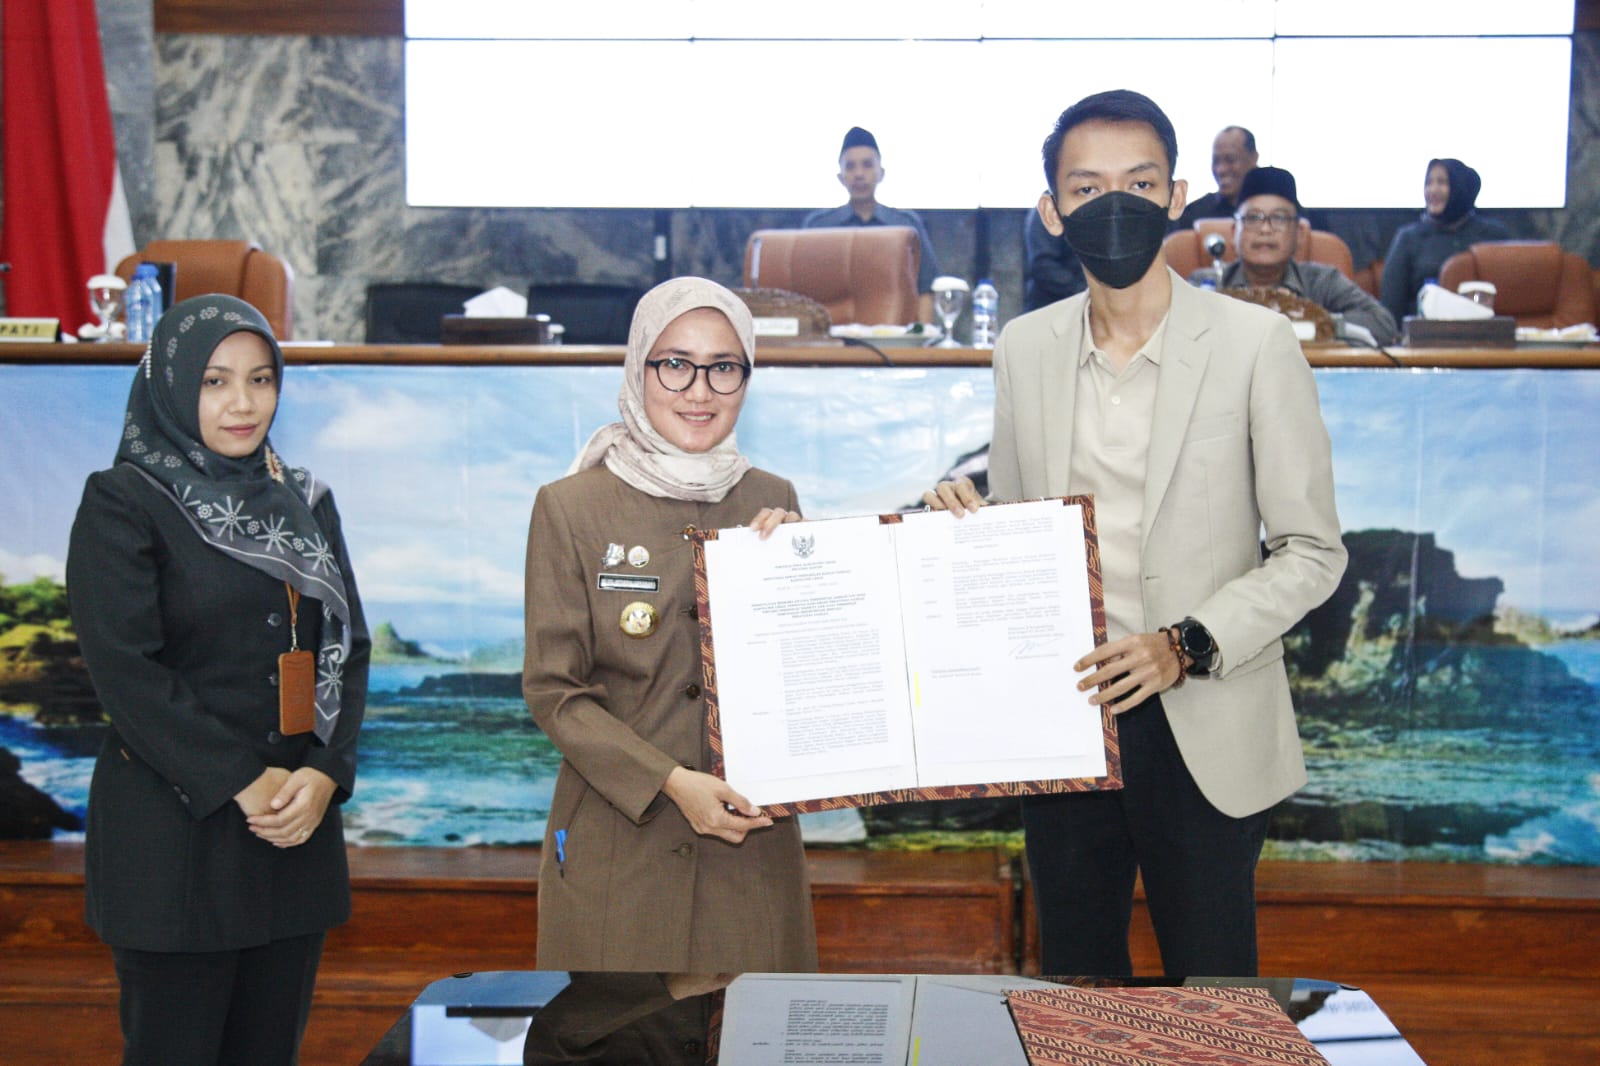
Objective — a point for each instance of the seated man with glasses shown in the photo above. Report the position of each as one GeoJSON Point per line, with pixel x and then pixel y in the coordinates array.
{"type": "Point", "coordinates": [1267, 233]}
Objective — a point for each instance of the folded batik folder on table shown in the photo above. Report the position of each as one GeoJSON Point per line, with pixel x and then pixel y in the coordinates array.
{"type": "Point", "coordinates": [1157, 1026]}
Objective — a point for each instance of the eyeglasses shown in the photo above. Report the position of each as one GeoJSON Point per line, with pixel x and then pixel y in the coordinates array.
{"type": "Point", "coordinates": [725, 376]}
{"type": "Point", "coordinates": [1276, 220]}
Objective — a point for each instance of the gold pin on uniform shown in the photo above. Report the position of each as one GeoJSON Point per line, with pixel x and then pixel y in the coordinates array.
{"type": "Point", "coordinates": [638, 555]}
{"type": "Point", "coordinates": [639, 619]}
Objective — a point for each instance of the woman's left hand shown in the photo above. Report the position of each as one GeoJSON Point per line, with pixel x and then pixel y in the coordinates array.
{"type": "Point", "coordinates": [297, 809]}
{"type": "Point", "coordinates": [770, 518]}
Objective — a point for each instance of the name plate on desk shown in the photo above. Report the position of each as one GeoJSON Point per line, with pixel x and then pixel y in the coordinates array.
{"type": "Point", "coordinates": [777, 327]}
{"type": "Point", "coordinates": [29, 329]}
{"type": "Point", "coordinates": [1497, 332]}
{"type": "Point", "coordinates": [471, 329]}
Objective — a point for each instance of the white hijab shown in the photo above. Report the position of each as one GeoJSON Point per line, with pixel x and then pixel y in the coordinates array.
{"type": "Point", "coordinates": [632, 449]}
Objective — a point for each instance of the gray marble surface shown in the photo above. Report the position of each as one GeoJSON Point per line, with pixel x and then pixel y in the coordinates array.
{"type": "Point", "coordinates": [127, 49]}
{"type": "Point", "coordinates": [297, 143]}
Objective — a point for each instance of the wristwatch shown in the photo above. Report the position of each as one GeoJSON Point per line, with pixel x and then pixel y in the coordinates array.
{"type": "Point", "coordinates": [1195, 640]}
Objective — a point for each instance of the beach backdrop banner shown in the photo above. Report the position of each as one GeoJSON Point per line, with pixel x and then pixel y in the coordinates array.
{"type": "Point", "coordinates": [1448, 694]}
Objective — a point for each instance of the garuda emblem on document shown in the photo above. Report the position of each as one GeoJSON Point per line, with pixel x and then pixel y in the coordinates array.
{"type": "Point", "coordinates": [804, 546]}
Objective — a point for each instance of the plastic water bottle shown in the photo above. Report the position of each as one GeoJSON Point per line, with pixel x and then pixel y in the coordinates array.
{"type": "Point", "coordinates": [985, 314]}
{"type": "Point", "coordinates": [143, 301]}
{"type": "Point", "coordinates": [1425, 284]}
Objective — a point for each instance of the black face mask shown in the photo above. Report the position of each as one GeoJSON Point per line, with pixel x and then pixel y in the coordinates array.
{"type": "Point", "coordinates": [1116, 236]}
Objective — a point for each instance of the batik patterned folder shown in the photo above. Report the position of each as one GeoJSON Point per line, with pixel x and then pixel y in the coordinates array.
{"type": "Point", "coordinates": [987, 790]}
{"type": "Point", "coordinates": [1149, 1026]}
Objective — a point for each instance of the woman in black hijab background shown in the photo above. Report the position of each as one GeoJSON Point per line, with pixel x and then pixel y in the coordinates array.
{"type": "Point", "coordinates": [214, 857]}
{"type": "Point", "coordinates": [1449, 224]}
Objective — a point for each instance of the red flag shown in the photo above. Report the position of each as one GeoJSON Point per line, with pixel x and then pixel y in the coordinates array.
{"type": "Point", "coordinates": [66, 218]}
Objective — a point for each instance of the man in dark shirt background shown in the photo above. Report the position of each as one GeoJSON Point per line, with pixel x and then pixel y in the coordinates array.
{"type": "Point", "coordinates": [1054, 272]}
{"type": "Point", "coordinates": [860, 172]}
{"type": "Point", "coordinates": [1233, 155]}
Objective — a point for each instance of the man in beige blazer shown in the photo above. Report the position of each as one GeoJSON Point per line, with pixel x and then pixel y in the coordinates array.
{"type": "Point", "coordinates": [1193, 420]}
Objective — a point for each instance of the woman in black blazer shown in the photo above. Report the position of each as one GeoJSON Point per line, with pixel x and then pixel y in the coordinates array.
{"type": "Point", "coordinates": [215, 858]}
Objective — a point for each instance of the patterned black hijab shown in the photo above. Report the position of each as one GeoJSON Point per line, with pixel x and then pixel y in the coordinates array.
{"type": "Point", "coordinates": [252, 509]}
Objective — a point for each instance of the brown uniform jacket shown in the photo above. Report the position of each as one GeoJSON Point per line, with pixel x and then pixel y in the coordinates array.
{"type": "Point", "coordinates": [631, 886]}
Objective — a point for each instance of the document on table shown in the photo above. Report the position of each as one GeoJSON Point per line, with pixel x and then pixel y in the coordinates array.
{"type": "Point", "coordinates": [871, 1020]}
{"type": "Point", "coordinates": [860, 660]}
{"type": "Point", "coordinates": [783, 1020]}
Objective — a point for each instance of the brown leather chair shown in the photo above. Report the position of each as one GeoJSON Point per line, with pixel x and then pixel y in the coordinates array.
{"type": "Point", "coordinates": [1370, 278]}
{"type": "Point", "coordinates": [238, 268]}
{"type": "Point", "coordinates": [1535, 282]}
{"type": "Point", "coordinates": [1186, 250]}
{"type": "Point", "coordinates": [859, 273]}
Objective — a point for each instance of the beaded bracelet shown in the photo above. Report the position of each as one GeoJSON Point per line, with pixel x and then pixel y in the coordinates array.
{"type": "Point", "coordinates": [1177, 653]}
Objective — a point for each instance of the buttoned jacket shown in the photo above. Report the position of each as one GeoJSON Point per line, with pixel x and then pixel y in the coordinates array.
{"type": "Point", "coordinates": [182, 644]}
{"type": "Point", "coordinates": [1238, 457]}
{"type": "Point", "coordinates": [629, 885]}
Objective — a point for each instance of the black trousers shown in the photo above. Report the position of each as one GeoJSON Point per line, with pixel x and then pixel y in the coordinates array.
{"type": "Point", "coordinates": [217, 1008]}
{"type": "Point", "coordinates": [1198, 865]}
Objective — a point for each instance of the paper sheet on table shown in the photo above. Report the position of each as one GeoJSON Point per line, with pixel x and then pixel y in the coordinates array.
{"type": "Point", "coordinates": [781, 1020]}
{"type": "Point", "coordinates": [498, 302]}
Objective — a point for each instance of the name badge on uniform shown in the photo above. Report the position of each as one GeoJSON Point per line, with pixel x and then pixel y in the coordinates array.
{"type": "Point", "coordinates": [628, 583]}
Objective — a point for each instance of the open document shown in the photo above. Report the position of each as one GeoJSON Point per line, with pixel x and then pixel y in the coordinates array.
{"type": "Point", "coordinates": [871, 1020]}
{"type": "Point", "coordinates": [886, 658]}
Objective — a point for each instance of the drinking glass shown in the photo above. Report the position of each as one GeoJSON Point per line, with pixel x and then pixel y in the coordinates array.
{"type": "Point", "coordinates": [949, 298]}
{"type": "Point", "coordinates": [105, 299]}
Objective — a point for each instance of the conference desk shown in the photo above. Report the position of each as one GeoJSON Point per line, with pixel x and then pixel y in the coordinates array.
{"type": "Point", "coordinates": [552, 1016]}
{"type": "Point", "coordinates": [790, 354]}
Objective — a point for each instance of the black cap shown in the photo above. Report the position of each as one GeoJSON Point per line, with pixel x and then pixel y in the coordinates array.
{"type": "Point", "coordinates": [1268, 181]}
{"type": "Point", "coordinates": [856, 138]}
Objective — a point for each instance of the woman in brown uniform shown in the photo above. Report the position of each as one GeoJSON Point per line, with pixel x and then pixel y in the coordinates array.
{"type": "Point", "coordinates": [648, 862]}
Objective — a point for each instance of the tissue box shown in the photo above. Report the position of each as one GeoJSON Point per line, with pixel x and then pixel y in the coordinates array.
{"type": "Point", "coordinates": [1497, 332]}
{"type": "Point", "coordinates": [470, 329]}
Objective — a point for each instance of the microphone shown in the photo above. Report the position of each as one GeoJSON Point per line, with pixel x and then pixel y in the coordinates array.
{"type": "Point", "coordinates": [1215, 246]}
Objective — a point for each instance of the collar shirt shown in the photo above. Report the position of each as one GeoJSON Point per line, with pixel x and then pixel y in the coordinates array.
{"type": "Point", "coordinates": [1111, 427]}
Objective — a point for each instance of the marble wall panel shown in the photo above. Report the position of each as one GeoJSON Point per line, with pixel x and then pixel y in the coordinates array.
{"type": "Point", "coordinates": [127, 49]}
{"type": "Point", "coordinates": [710, 242]}
{"type": "Point", "coordinates": [1578, 227]}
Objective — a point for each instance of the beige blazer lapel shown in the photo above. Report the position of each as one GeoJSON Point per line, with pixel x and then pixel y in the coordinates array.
{"type": "Point", "coordinates": [1058, 378]}
{"type": "Point", "coordinates": [1184, 353]}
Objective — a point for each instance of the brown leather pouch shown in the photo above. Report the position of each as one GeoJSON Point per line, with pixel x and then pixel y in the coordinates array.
{"type": "Point", "coordinates": [297, 679]}
{"type": "Point", "coordinates": [297, 692]}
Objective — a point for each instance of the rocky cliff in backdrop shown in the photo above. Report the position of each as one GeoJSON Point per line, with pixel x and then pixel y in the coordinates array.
{"type": "Point", "coordinates": [1405, 645]}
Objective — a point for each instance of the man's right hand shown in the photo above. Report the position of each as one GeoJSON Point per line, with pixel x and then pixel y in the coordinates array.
{"type": "Point", "coordinates": [958, 497]}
